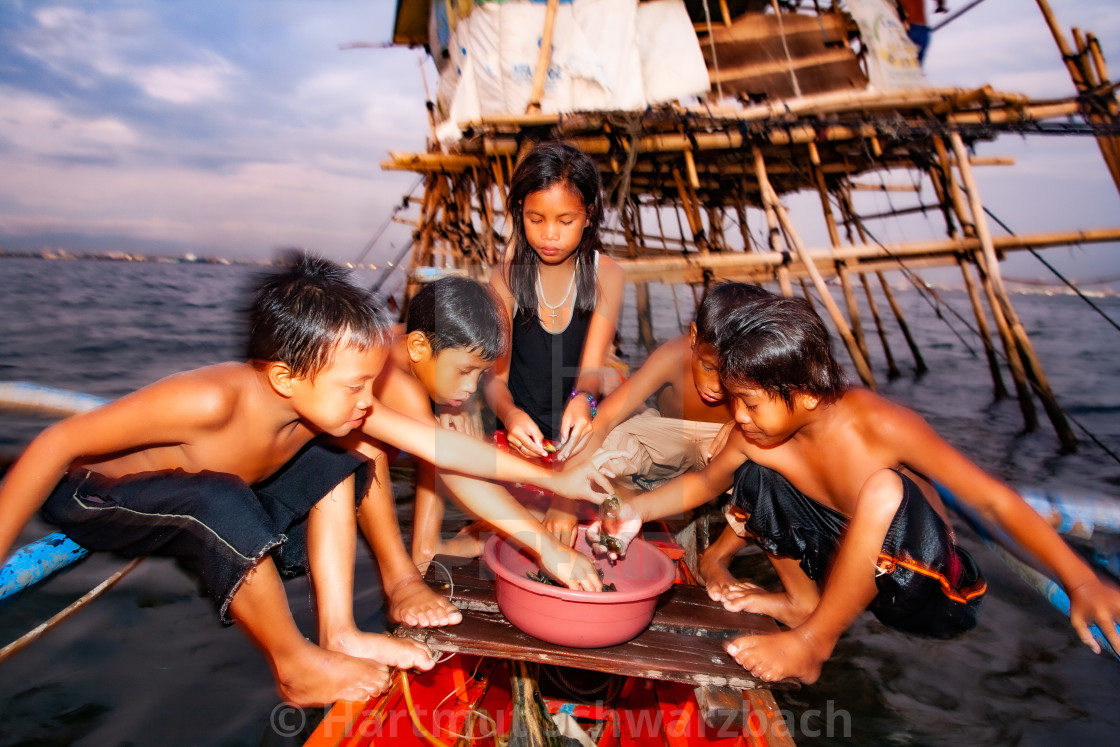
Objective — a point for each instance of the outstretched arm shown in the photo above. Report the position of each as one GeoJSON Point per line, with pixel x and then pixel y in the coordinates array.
{"type": "Point", "coordinates": [1092, 601]}
{"type": "Point", "coordinates": [688, 491]}
{"type": "Point", "coordinates": [498, 508]}
{"type": "Point", "coordinates": [460, 453]}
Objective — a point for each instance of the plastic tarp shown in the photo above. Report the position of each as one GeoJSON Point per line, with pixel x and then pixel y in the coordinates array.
{"type": "Point", "coordinates": [607, 55]}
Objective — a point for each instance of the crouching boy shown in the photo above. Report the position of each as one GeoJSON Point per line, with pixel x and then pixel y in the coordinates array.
{"type": "Point", "coordinates": [826, 478]}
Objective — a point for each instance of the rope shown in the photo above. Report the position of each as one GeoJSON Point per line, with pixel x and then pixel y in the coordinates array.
{"type": "Point", "coordinates": [712, 44]}
{"type": "Point", "coordinates": [785, 46]}
{"type": "Point", "coordinates": [999, 353]}
{"type": "Point", "coordinates": [36, 633]}
{"type": "Point", "coordinates": [444, 655]}
{"type": "Point", "coordinates": [1059, 275]}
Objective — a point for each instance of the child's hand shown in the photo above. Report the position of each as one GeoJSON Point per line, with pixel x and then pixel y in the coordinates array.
{"type": "Point", "coordinates": [575, 427]}
{"type": "Point", "coordinates": [720, 440]}
{"type": "Point", "coordinates": [570, 567]}
{"type": "Point", "coordinates": [523, 434]}
{"type": "Point", "coordinates": [561, 521]}
{"type": "Point", "coordinates": [624, 528]}
{"type": "Point", "coordinates": [580, 480]}
{"type": "Point", "coordinates": [1096, 603]}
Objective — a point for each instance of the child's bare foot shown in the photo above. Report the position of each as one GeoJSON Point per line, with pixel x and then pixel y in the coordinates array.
{"type": "Point", "coordinates": [314, 676]}
{"type": "Point", "coordinates": [778, 656]}
{"type": "Point", "coordinates": [718, 580]}
{"type": "Point", "coordinates": [788, 610]}
{"type": "Point", "coordinates": [401, 653]}
{"type": "Point", "coordinates": [467, 543]}
{"type": "Point", "coordinates": [414, 603]}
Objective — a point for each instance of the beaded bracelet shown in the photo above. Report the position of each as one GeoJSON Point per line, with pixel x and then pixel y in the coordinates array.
{"type": "Point", "coordinates": [590, 398]}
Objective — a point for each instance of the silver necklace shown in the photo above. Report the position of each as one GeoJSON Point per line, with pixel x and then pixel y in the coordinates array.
{"type": "Point", "coordinates": [553, 308]}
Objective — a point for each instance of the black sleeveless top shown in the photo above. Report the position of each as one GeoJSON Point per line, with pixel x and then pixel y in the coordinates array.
{"type": "Point", "coordinates": [544, 367]}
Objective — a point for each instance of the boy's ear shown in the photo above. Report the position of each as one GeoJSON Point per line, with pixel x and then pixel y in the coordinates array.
{"type": "Point", "coordinates": [809, 401]}
{"type": "Point", "coordinates": [692, 333]}
{"type": "Point", "coordinates": [417, 345]}
{"type": "Point", "coordinates": [280, 377]}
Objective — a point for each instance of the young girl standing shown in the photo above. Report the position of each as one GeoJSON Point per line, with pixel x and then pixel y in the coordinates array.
{"type": "Point", "coordinates": [563, 299]}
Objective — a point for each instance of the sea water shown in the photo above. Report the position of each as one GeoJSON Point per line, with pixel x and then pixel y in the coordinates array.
{"type": "Point", "coordinates": [149, 664]}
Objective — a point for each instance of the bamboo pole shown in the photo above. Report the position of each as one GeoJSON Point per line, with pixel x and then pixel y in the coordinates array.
{"type": "Point", "coordinates": [919, 362]}
{"type": "Point", "coordinates": [1011, 352]}
{"type": "Point", "coordinates": [1109, 144]}
{"type": "Point", "coordinates": [652, 267]}
{"type": "Point", "coordinates": [544, 58]}
{"type": "Point", "coordinates": [641, 290]}
{"type": "Point", "coordinates": [834, 239]}
{"type": "Point", "coordinates": [842, 328]}
{"type": "Point", "coordinates": [969, 228]}
{"type": "Point", "coordinates": [999, 388]}
{"type": "Point", "coordinates": [1022, 341]}
{"type": "Point", "coordinates": [850, 220]}
{"type": "Point", "coordinates": [892, 368]}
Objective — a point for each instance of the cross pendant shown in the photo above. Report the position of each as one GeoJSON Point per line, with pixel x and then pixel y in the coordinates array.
{"type": "Point", "coordinates": [553, 314]}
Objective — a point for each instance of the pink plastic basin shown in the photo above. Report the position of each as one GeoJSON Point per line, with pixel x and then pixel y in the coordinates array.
{"type": "Point", "coordinates": [581, 619]}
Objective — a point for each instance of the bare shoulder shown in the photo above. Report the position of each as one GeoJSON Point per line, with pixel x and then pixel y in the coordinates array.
{"type": "Point", "coordinates": [398, 389]}
{"type": "Point", "coordinates": [611, 274]}
{"type": "Point", "coordinates": [668, 361]}
{"type": "Point", "coordinates": [179, 405]}
{"type": "Point", "coordinates": [498, 280]}
{"type": "Point", "coordinates": [213, 393]}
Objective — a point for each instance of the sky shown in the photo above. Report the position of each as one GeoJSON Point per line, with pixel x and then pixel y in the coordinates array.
{"type": "Point", "coordinates": [235, 129]}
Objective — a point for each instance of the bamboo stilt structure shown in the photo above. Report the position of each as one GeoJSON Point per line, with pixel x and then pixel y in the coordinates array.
{"type": "Point", "coordinates": [1022, 342]}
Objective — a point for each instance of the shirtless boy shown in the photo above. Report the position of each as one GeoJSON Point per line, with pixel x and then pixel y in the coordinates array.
{"type": "Point", "coordinates": [228, 469]}
{"type": "Point", "coordinates": [817, 470]}
{"type": "Point", "coordinates": [455, 331]}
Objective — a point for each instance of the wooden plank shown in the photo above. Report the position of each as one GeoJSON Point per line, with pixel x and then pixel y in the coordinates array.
{"type": "Point", "coordinates": [686, 634]}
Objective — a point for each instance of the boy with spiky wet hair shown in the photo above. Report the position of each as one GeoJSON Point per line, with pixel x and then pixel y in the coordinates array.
{"type": "Point", "coordinates": [231, 469]}
{"type": "Point", "coordinates": [454, 332]}
{"type": "Point", "coordinates": [828, 480]}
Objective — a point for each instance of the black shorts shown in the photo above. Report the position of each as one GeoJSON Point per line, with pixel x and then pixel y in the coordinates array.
{"type": "Point", "coordinates": [927, 585]}
{"type": "Point", "coordinates": [214, 523]}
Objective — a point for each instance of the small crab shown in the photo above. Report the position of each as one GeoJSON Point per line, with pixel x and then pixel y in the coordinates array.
{"type": "Point", "coordinates": [610, 509]}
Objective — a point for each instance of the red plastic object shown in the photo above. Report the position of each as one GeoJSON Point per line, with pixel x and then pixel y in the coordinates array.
{"type": "Point", "coordinates": [581, 619]}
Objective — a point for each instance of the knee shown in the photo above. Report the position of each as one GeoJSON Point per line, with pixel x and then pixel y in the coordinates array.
{"type": "Point", "coordinates": [881, 494]}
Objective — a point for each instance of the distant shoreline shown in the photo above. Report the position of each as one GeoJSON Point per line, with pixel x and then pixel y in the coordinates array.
{"type": "Point", "coordinates": [185, 259]}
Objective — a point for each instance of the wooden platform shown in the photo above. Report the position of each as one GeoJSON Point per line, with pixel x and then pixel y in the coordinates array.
{"type": "Point", "coordinates": [684, 642]}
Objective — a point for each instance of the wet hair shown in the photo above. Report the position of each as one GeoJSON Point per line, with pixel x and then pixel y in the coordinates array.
{"type": "Point", "coordinates": [544, 165]}
{"type": "Point", "coordinates": [457, 312]}
{"type": "Point", "coordinates": [715, 309]}
{"type": "Point", "coordinates": [302, 312]}
{"type": "Point", "coordinates": [780, 345]}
